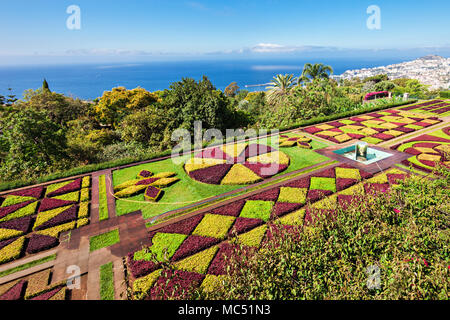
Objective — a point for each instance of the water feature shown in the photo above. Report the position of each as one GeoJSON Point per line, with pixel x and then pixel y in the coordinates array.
{"type": "Point", "coordinates": [362, 153]}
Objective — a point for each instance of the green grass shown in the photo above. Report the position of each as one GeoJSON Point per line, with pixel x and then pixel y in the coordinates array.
{"type": "Point", "coordinates": [107, 282]}
{"type": "Point", "coordinates": [188, 191]}
{"type": "Point", "coordinates": [104, 240]}
{"type": "Point", "coordinates": [27, 265]}
{"type": "Point", "coordinates": [103, 200]}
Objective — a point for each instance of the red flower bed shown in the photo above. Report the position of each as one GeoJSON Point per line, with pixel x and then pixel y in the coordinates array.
{"type": "Point", "coordinates": [269, 195]}
{"type": "Point", "coordinates": [374, 188]}
{"type": "Point", "coordinates": [345, 201]}
{"type": "Point", "coordinates": [355, 135]}
{"type": "Point", "coordinates": [399, 123]}
{"type": "Point", "coordinates": [357, 119]}
{"type": "Point", "coordinates": [47, 295]}
{"type": "Point", "coordinates": [422, 124]}
{"type": "Point", "coordinates": [312, 130]}
{"type": "Point", "coordinates": [314, 195]}
{"type": "Point", "coordinates": [242, 225]}
{"type": "Point", "coordinates": [395, 178]}
{"type": "Point", "coordinates": [185, 226]}
{"type": "Point", "coordinates": [412, 151]}
{"type": "Point", "coordinates": [35, 192]}
{"type": "Point", "coordinates": [427, 163]}
{"type": "Point", "coordinates": [375, 115]}
{"type": "Point", "coordinates": [40, 243]}
{"type": "Point", "coordinates": [15, 293]}
{"type": "Point", "coordinates": [71, 187]}
{"type": "Point", "coordinates": [426, 145]}
{"type": "Point", "coordinates": [254, 150]}
{"type": "Point", "coordinates": [22, 224]}
{"type": "Point", "coordinates": [282, 208]}
{"type": "Point", "coordinates": [48, 204]}
{"type": "Point", "coordinates": [336, 124]}
{"type": "Point", "coordinates": [327, 173]}
{"type": "Point", "coordinates": [232, 209]}
{"type": "Point", "coordinates": [266, 170]}
{"type": "Point", "coordinates": [145, 174]}
{"type": "Point", "coordinates": [152, 193]}
{"type": "Point", "coordinates": [344, 183]}
{"type": "Point", "coordinates": [219, 264]}
{"type": "Point", "coordinates": [275, 232]}
{"type": "Point", "coordinates": [404, 129]}
{"type": "Point", "coordinates": [441, 111]}
{"type": "Point", "coordinates": [300, 183]}
{"type": "Point", "coordinates": [175, 284]}
{"type": "Point", "coordinates": [214, 153]}
{"type": "Point", "coordinates": [140, 268]}
{"type": "Point", "coordinates": [312, 215]}
{"type": "Point", "coordinates": [4, 243]}
{"type": "Point", "coordinates": [383, 136]}
{"type": "Point", "coordinates": [380, 130]}
{"type": "Point", "coordinates": [64, 217]}
{"type": "Point", "coordinates": [192, 245]}
{"type": "Point", "coordinates": [327, 138]}
{"type": "Point", "coordinates": [211, 175]}
{"type": "Point", "coordinates": [427, 137]}
{"type": "Point", "coordinates": [4, 211]}
{"type": "Point", "coordinates": [146, 182]}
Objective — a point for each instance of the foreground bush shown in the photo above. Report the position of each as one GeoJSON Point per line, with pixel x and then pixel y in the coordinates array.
{"type": "Point", "coordinates": [397, 244]}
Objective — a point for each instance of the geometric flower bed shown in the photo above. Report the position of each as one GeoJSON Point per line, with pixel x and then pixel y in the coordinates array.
{"type": "Point", "coordinates": [373, 127]}
{"type": "Point", "coordinates": [236, 164]}
{"type": "Point", "coordinates": [148, 183]}
{"type": "Point", "coordinates": [436, 107]}
{"type": "Point", "coordinates": [295, 140]}
{"type": "Point", "coordinates": [32, 219]}
{"type": "Point", "coordinates": [34, 287]}
{"type": "Point", "coordinates": [198, 246]}
{"type": "Point", "coordinates": [427, 150]}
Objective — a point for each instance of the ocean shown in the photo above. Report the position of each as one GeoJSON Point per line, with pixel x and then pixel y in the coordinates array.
{"type": "Point", "coordinates": [89, 81]}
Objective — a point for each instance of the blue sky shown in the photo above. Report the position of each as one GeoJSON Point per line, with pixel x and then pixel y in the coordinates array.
{"type": "Point", "coordinates": [125, 30]}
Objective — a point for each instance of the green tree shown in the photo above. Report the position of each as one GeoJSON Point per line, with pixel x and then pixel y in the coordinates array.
{"type": "Point", "coordinates": [116, 104]}
{"type": "Point", "coordinates": [385, 86]}
{"type": "Point", "coordinates": [11, 98]}
{"type": "Point", "coordinates": [2, 100]}
{"type": "Point", "coordinates": [45, 85]}
{"type": "Point", "coordinates": [315, 71]}
{"type": "Point", "coordinates": [34, 144]}
{"type": "Point", "coordinates": [280, 87]}
{"type": "Point", "coordinates": [59, 108]}
{"type": "Point", "coordinates": [148, 127]}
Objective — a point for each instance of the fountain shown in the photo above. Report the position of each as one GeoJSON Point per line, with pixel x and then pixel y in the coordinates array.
{"type": "Point", "coordinates": [362, 153]}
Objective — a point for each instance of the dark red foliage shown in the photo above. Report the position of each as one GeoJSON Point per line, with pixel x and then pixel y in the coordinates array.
{"type": "Point", "coordinates": [404, 129]}
{"type": "Point", "coordinates": [47, 295]}
{"type": "Point", "coordinates": [71, 187]}
{"type": "Point", "coordinates": [15, 293]}
{"type": "Point", "coordinates": [327, 173]}
{"type": "Point", "coordinates": [140, 268]}
{"type": "Point", "coordinates": [357, 119]}
{"type": "Point", "coordinates": [380, 130]}
{"type": "Point", "coordinates": [185, 226]}
{"type": "Point", "coordinates": [399, 124]}
{"type": "Point", "coordinates": [345, 201]}
{"type": "Point", "coordinates": [446, 130]}
{"type": "Point", "coordinates": [300, 183]}
{"type": "Point", "coordinates": [48, 204]}
{"type": "Point", "coordinates": [395, 178]}
{"type": "Point", "coordinates": [427, 163]}
{"type": "Point", "coordinates": [281, 208]}
{"type": "Point", "coordinates": [192, 245]}
{"type": "Point", "coordinates": [374, 188]}
{"type": "Point", "coordinates": [175, 284]}
{"type": "Point", "coordinates": [426, 145]}
{"type": "Point", "coordinates": [35, 192]}
{"type": "Point", "coordinates": [356, 136]}
{"type": "Point", "coordinates": [336, 124]}
{"type": "Point", "coordinates": [254, 150]}
{"type": "Point", "coordinates": [327, 138]}
{"type": "Point", "coordinates": [152, 192]}
{"type": "Point", "coordinates": [266, 170]}
{"type": "Point", "coordinates": [66, 216]}
{"type": "Point", "coordinates": [312, 215]}
{"type": "Point", "coordinates": [412, 151]}
{"type": "Point", "coordinates": [211, 175]}
{"type": "Point", "coordinates": [441, 111]}
{"type": "Point", "coordinates": [269, 195]}
{"type": "Point", "coordinates": [383, 136]}
{"type": "Point", "coordinates": [314, 195]}
{"type": "Point", "coordinates": [232, 209]}
{"type": "Point", "coordinates": [218, 265]}
{"type": "Point", "coordinates": [213, 153]}
{"type": "Point", "coordinates": [242, 225]}
{"type": "Point", "coordinates": [22, 224]}
{"type": "Point", "coordinates": [375, 115]}
{"type": "Point", "coordinates": [39, 242]}
{"type": "Point", "coordinates": [145, 173]}
{"type": "Point", "coordinates": [146, 182]}
{"type": "Point", "coordinates": [422, 124]}
{"type": "Point", "coordinates": [312, 130]}
{"type": "Point", "coordinates": [276, 232]}
{"type": "Point", "coordinates": [344, 183]}
{"type": "Point", "coordinates": [427, 137]}
{"type": "Point", "coordinates": [4, 211]}
{"type": "Point", "coordinates": [365, 174]}
{"type": "Point", "coordinates": [4, 243]}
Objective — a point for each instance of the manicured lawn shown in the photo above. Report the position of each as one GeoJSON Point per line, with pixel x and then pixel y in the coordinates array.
{"type": "Point", "coordinates": [103, 201]}
{"type": "Point", "coordinates": [104, 240]}
{"type": "Point", "coordinates": [188, 191]}
{"type": "Point", "coordinates": [107, 282]}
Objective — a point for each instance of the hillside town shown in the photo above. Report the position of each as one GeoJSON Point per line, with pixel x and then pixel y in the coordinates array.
{"type": "Point", "coordinates": [431, 70]}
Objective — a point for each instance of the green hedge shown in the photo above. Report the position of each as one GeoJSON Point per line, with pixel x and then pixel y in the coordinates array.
{"type": "Point", "coordinates": [126, 161]}
{"type": "Point", "coordinates": [444, 94]}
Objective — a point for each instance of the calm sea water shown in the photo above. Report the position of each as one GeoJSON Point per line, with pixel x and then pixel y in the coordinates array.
{"type": "Point", "coordinates": [91, 80]}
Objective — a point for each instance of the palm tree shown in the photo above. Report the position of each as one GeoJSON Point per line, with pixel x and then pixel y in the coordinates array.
{"type": "Point", "coordinates": [315, 71]}
{"type": "Point", "coordinates": [280, 86]}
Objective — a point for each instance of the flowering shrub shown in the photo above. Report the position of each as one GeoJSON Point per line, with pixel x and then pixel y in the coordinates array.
{"type": "Point", "coordinates": [140, 268]}
{"type": "Point", "coordinates": [49, 204]}
{"type": "Point", "coordinates": [185, 226]}
{"type": "Point", "coordinates": [15, 292]}
{"type": "Point", "coordinates": [70, 187]}
{"type": "Point", "coordinates": [152, 193]}
{"type": "Point", "coordinates": [4, 211]}
{"type": "Point", "coordinates": [35, 192]}
{"type": "Point", "coordinates": [142, 286]}
{"type": "Point", "coordinates": [211, 175]}
{"type": "Point", "coordinates": [9, 233]}
{"type": "Point", "coordinates": [145, 174]}
{"type": "Point", "coordinates": [23, 211]}
{"type": "Point", "coordinates": [44, 220]}
{"type": "Point", "coordinates": [242, 225]}
{"type": "Point", "coordinates": [86, 182]}
{"type": "Point", "coordinates": [175, 285]}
